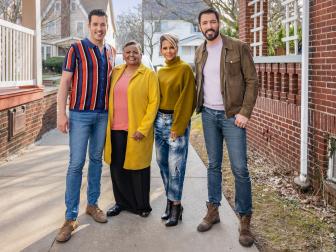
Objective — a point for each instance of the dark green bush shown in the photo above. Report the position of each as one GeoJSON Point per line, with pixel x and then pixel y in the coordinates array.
{"type": "Point", "coordinates": [54, 64]}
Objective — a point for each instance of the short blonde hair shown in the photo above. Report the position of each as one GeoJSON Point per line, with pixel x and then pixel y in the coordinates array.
{"type": "Point", "coordinates": [171, 38]}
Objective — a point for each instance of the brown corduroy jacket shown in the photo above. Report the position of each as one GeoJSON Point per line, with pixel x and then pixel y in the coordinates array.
{"type": "Point", "coordinates": [238, 77]}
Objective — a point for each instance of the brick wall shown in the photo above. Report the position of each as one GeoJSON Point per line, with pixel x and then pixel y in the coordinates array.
{"type": "Point", "coordinates": [275, 126]}
{"type": "Point", "coordinates": [40, 118]}
{"type": "Point", "coordinates": [322, 88]}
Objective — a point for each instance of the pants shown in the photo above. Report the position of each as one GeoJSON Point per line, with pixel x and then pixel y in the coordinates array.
{"type": "Point", "coordinates": [85, 128]}
{"type": "Point", "coordinates": [131, 189]}
{"type": "Point", "coordinates": [171, 156]}
{"type": "Point", "coordinates": [217, 128]}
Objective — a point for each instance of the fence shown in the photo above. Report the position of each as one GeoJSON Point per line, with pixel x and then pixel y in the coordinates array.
{"type": "Point", "coordinates": [17, 55]}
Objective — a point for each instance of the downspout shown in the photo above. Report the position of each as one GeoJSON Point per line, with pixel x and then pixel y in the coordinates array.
{"type": "Point", "coordinates": [303, 180]}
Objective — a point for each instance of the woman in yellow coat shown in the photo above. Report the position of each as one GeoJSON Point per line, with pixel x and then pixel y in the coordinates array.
{"type": "Point", "coordinates": [133, 104]}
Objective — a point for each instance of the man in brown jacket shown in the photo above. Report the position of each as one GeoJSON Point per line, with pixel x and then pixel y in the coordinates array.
{"type": "Point", "coordinates": [227, 89]}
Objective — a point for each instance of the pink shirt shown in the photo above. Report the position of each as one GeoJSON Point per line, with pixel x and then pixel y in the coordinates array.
{"type": "Point", "coordinates": [212, 92]}
{"type": "Point", "coordinates": [120, 108]}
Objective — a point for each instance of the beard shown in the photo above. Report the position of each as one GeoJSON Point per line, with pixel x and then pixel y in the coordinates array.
{"type": "Point", "coordinates": [212, 36]}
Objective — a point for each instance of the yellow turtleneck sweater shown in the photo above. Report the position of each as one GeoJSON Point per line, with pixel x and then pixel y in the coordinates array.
{"type": "Point", "coordinates": [178, 92]}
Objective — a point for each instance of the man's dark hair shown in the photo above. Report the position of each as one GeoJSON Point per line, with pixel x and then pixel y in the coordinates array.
{"type": "Point", "coordinates": [97, 12]}
{"type": "Point", "coordinates": [208, 11]}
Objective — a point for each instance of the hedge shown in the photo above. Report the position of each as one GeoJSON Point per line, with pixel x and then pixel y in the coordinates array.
{"type": "Point", "coordinates": [54, 64]}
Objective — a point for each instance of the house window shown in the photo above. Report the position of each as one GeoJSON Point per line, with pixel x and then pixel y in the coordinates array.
{"type": "Point", "coordinates": [187, 50]}
{"type": "Point", "coordinates": [164, 26]}
{"type": "Point", "coordinates": [157, 26]}
{"type": "Point", "coordinates": [80, 28]}
{"type": "Point", "coordinates": [46, 52]}
{"type": "Point", "coordinates": [73, 6]}
{"type": "Point", "coordinates": [51, 27]}
{"type": "Point", "coordinates": [332, 159]}
{"type": "Point", "coordinates": [42, 47]}
{"type": "Point", "coordinates": [57, 8]}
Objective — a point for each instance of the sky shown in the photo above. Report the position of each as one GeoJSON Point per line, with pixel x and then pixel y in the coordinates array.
{"type": "Point", "coordinates": [121, 6]}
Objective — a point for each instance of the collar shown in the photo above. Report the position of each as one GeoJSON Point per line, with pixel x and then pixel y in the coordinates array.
{"type": "Point", "coordinates": [227, 43]}
{"type": "Point", "coordinates": [172, 62]}
{"type": "Point", "coordinates": [141, 69]}
{"type": "Point", "coordinates": [91, 45]}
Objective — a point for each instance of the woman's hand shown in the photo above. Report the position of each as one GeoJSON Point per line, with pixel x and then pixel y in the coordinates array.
{"type": "Point", "coordinates": [173, 135]}
{"type": "Point", "coordinates": [138, 136]}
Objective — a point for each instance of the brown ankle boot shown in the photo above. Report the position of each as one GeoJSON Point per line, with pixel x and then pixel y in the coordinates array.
{"type": "Point", "coordinates": [96, 213]}
{"type": "Point", "coordinates": [211, 218]}
{"type": "Point", "coordinates": [64, 233]}
{"type": "Point", "coordinates": [245, 235]}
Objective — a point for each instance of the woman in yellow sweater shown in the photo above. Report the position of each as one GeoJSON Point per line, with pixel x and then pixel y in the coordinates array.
{"type": "Point", "coordinates": [133, 103]}
{"type": "Point", "coordinates": [172, 124]}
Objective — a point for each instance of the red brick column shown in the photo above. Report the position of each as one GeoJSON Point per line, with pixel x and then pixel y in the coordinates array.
{"type": "Point", "coordinates": [246, 23]}
{"type": "Point", "coordinates": [270, 80]}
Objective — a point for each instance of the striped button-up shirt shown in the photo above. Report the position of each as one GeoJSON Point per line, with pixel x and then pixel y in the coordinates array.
{"type": "Point", "coordinates": [91, 78]}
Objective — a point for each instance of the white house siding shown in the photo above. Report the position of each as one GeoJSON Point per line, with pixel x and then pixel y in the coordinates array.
{"type": "Point", "coordinates": [180, 28]}
{"type": "Point", "coordinates": [51, 24]}
{"type": "Point", "coordinates": [75, 17]}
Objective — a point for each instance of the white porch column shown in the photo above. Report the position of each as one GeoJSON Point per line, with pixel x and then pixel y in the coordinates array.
{"type": "Point", "coordinates": [32, 8]}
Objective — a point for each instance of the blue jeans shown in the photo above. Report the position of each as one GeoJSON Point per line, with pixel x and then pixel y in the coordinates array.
{"type": "Point", "coordinates": [217, 128]}
{"type": "Point", "coordinates": [84, 128]}
{"type": "Point", "coordinates": [171, 156]}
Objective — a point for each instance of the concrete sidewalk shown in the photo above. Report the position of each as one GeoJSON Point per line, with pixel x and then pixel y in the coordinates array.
{"type": "Point", "coordinates": [32, 209]}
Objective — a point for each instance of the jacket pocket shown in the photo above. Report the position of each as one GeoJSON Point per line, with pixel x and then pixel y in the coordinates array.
{"type": "Point", "coordinates": [232, 66]}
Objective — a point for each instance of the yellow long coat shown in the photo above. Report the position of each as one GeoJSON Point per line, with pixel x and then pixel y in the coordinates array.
{"type": "Point", "coordinates": [143, 102]}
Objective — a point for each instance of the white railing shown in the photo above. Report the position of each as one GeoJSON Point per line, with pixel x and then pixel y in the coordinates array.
{"type": "Point", "coordinates": [16, 55]}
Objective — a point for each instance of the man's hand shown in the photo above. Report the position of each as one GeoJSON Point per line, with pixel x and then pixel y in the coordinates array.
{"type": "Point", "coordinates": [138, 136]}
{"type": "Point", "coordinates": [241, 121]}
{"type": "Point", "coordinates": [62, 123]}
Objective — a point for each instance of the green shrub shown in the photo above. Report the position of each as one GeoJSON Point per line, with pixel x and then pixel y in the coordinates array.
{"type": "Point", "coordinates": [54, 64]}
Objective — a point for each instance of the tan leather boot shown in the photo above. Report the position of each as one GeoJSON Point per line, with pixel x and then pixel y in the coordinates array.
{"type": "Point", "coordinates": [211, 218]}
{"type": "Point", "coordinates": [96, 213]}
{"type": "Point", "coordinates": [64, 233]}
{"type": "Point", "coordinates": [245, 235]}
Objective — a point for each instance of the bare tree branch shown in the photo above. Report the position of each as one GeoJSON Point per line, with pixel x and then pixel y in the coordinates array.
{"type": "Point", "coordinates": [130, 27]}
{"type": "Point", "coordinates": [11, 10]}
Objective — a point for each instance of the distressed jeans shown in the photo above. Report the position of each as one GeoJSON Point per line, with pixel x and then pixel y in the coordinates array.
{"type": "Point", "coordinates": [85, 128]}
{"type": "Point", "coordinates": [216, 129]}
{"type": "Point", "coordinates": [171, 156]}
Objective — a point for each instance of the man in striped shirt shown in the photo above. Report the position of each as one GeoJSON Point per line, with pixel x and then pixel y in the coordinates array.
{"type": "Point", "coordinates": [87, 72]}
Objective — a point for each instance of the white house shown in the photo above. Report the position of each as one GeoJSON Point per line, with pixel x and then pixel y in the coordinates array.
{"type": "Point", "coordinates": [65, 21]}
{"type": "Point", "coordinates": [180, 19]}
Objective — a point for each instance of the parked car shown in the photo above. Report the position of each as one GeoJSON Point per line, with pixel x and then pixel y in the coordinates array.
{"type": "Point", "coordinates": [145, 60]}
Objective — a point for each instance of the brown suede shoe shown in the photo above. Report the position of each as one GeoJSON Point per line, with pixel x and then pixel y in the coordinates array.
{"type": "Point", "coordinates": [211, 218]}
{"type": "Point", "coordinates": [96, 213]}
{"type": "Point", "coordinates": [245, 235]}
{"type": "Point", "coordinates": [65, 232]}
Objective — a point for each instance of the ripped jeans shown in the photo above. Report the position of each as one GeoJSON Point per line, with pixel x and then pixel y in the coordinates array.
{"type": "Point", "coordinates": [171, 156]}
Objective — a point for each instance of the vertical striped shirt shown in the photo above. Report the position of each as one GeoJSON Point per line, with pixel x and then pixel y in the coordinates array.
{"type": "Point", "coordinates": [91, 78]}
